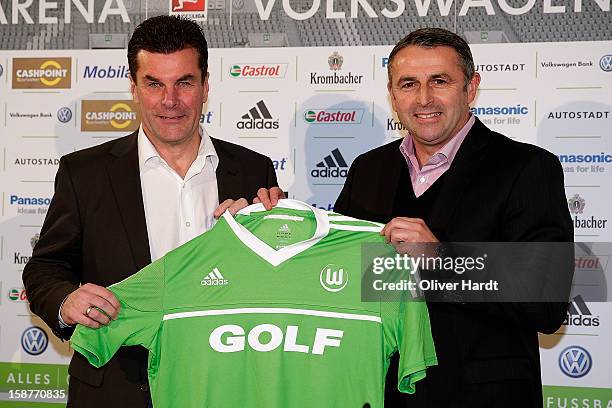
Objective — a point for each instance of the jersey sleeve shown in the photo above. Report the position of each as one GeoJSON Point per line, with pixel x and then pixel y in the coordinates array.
{"type": "Point", "coordinates": [408, 331]}
{"type": "Point", "coordinates": [141, 297]}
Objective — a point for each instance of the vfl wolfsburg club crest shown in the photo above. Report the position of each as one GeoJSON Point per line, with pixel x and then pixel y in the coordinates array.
{"type": "Point", "coordinates": [576, 204]}
{"type": "Point", "coordinates": [333, 278]}
{"type": "Point", "coordinates": [335, 61]}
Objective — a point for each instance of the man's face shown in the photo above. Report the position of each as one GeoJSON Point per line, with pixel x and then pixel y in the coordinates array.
{"type": "Point", "coordinates": [428, 92]}
{"type": "Point", "coordinates": [170, 92]}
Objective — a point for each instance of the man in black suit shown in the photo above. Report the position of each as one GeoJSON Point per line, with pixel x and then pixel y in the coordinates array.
{"type": "Point", "coordinates": [451, 179]}
{"type": "Point", "coordinates": [118, 205]}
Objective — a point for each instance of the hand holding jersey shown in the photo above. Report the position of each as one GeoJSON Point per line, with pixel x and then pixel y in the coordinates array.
{"type": "Point", "coordinates": [90, 305]}
{"type": "Point", "coordinates": [268, 198]}
{"type": "Point", "coordinates": [405, 229]}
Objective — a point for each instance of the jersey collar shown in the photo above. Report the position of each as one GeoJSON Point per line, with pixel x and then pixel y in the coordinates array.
{"type": "Point", "coordinates": [273, 256]}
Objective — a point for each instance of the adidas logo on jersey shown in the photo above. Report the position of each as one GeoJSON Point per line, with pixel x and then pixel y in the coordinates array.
{"type": "Point", "coordinates": [578, 314]}
{"type": "Point", "coordinates": [283, 232]}
{"type": "Point", "coordinates": [258, 117]}
{"type": "Point", "coordinates": [332, 165]}
{"type": "Point", "coordinates": [214, 279]}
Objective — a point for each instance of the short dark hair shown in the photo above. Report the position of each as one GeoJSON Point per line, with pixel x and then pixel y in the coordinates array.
{"type": "Point", "coordinates": [434, 37]}
{"type": "Point", "coordinates": [165, 35]}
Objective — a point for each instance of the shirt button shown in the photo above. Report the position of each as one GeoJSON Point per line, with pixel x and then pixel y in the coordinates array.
{"type": "Point", "coordinates": [422, 179]}
{"type": "Point", "coordinates": [188, 224]}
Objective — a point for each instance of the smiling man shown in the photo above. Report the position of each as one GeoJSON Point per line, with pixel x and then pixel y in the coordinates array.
{"type": "Point", "coordinates": [122, 204]}
{"type": "Point", "coordinates": [451, 179]}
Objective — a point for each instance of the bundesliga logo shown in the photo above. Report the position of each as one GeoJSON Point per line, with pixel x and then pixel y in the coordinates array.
{"type": "Point", "coordinates": [188, 5]}
{"type": "Point", "coordinates": [193, 9]}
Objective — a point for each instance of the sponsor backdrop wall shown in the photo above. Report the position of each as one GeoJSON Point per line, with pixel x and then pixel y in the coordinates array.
{"type": "Point", "coordinates": [312, 110]}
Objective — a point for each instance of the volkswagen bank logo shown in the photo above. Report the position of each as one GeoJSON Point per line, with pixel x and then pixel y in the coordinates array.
{"type": "Point", "coordinates": [34, 341]}
{"type": "Point", "coordinates": [605, 63]}
{"type": "Point", "coordinates": [575, 362]}
{"type": "Point", "coordinates": [64, 114]}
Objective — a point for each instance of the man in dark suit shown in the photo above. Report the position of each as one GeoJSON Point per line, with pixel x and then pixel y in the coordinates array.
{"type": "Point", "coordinates": [451, 179]}
{"type": "Point", "coordinates": [119, 205]}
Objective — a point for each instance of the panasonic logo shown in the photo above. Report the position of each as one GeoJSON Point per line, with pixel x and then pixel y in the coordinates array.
{"type": "Point", "coordinates": [585, 158]}
{"type": "Point", "coordinates": [14, 199]}
{"type": "Point", "coordinates": [500, 110]}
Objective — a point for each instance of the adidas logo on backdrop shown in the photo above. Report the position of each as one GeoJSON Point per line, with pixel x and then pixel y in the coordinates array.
{"type": "Point", "coordinates": [333, 165]}
{"type": "Point", "coordinates": [578, 314]}
{"type": "Point", "coordinates": [258, 117]}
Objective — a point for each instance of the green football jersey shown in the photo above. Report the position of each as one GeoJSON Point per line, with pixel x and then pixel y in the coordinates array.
{"type": "Point", "coordinates": [265, 310]}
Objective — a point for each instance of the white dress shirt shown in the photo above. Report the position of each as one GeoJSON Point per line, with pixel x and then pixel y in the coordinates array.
{"type": "Point", "coordinates": [177, 210]}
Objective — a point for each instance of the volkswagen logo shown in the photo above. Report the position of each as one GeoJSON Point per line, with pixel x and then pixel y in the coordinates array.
{"type": "Point", "coordinates": [575, 362]}
{"type": "Point", "coordinates": [605, 63]}
{"type": "Point", "coordinates": [64, 114]}
{"type": "Point", "coordinates": [34, 341]}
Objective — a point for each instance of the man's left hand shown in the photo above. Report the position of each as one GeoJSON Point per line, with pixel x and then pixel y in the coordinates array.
{"type": "Point", "coordinates": [269, 198]}
{"type": "Point", "coordinates": [404, 229]}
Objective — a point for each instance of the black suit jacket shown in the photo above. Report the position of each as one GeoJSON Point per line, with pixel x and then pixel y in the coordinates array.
{"type": "Point", "coordinates": [95, 232]}
{"type": "Point", "coordinates": [496, 190]}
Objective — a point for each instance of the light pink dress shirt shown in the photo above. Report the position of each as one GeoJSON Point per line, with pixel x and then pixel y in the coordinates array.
{"type": "Point", "coordinates": [423, 177]}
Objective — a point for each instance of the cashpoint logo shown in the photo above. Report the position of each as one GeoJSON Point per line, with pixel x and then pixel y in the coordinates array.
{"type": "Point", "coordinates": [42, 73]}
{"type": "Point", "coordinates": [108, 116]}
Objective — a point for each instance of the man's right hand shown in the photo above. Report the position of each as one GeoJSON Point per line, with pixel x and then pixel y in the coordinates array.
{"type": "Point", "coordinates": [85, 306]}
